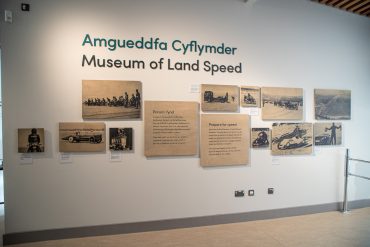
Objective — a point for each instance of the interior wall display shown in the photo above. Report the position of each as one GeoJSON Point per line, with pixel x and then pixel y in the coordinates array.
{"type": "Point", "coordinates": [332, 104]}
{"type": "Point", "coordinates": [103, 99]}
{"type": "Point", "coordinates": [260, 137]}
{"type": "Point", "coordinates": [291, 138]}
{"type": "Point", "coordinates": [282, 103]}
{"type": "Point", "coordinates": [81, 137]}
{"type": "Point", "coordinates": [171, 128]}
{"type": "Point", "coordinates": [31, 140]}
{"type": "Point", "coordinates": [328, 133]}
{"type": "Point", "coordinates": [220, 98]}
{"type": "Point", "coordinates": [225, 139]}
{"type": "Point", "coordinates": [250, 96]}
{"type": "Point", "coordinates": [120, 139]}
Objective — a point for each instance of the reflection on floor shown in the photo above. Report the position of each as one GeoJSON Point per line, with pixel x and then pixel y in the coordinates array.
{"type": "Point", "coordinates": [324, 229]}
{"type": "Point", "coordinates": [2, 231]}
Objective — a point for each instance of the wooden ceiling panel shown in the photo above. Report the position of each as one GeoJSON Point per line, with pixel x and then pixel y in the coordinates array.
{"type": "Point", "coordinates": [366, 12]}
{"type": "Point", "coordinates": [360, 7]}
{"type": "Point", "coordinates": [343, 3]}
{"type": "Point", "coordinates": [355, 5]}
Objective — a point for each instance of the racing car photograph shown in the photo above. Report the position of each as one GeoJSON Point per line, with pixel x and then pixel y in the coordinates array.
{"type": "Point", "coordinates": [291, 138]}
{"type": "Point", "coordinates": [81, 137]}
{"type": "Point", "coordinates": [219, 98]}
{"type": "Point", "coordinates": [250, 96]}
{"type": "Point", "coordinates": [260, 137]}
{"type": "Point", "coordinates": [328, 134]}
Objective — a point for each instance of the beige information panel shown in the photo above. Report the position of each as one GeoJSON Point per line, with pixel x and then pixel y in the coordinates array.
{"type": "Point", "coordinates": [225, 139]}
{"type": "Point", "coordinates": [81, 137]}
{"type": "Point", "coordinates": [171, 128]}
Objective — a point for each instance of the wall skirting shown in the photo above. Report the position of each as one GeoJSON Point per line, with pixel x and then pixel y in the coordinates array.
{"type": "Point", "coordinates": [78, 232]}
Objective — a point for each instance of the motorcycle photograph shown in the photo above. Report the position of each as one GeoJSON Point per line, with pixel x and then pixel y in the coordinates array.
{"type": "Point", "coordinates": [261, 141]}
{"type": "Point", "coordinates": [34, 147]}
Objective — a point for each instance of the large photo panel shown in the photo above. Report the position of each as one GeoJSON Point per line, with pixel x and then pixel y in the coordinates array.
{"type": "Point", "coordinates": [280, 103]}
{"type": "Point", "coordinates": [225, 139]}
{"type": "Point", "coordinates": [104, 99]}
{"type": "Point", "coordinates": [171, 128]}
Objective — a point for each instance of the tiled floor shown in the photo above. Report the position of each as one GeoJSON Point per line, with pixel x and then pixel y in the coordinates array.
{"type": "Point", "coordinates": [325, 229]}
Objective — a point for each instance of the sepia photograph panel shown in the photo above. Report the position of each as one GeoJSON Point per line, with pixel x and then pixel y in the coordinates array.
{"type": "Point", "coordinates": [250, 96]}
{"type": "Point", "coordinates": [282, 103]}
{"type": "Point", "coordinates": [104, 99]}
{"type": "Point", "coordinates": [332, 104]}
{"type": "Point", "coordinates": [220, 98]}
{"type": "Point", "coordinates": [31, 140]}
{"type": "Point", "coordinates": [260, 137]}
{"type": "Point", "coordinates": [120, 139]}
{"type": "Point", "coordinates": [291, 138]}
{"type": "Point", "coordinates": [328, 134]}
{"type": "Point", "coordinates": [81, 137]}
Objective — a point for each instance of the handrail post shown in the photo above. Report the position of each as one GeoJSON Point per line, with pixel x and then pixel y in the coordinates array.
{"type": "Point", "coordinates": [345, 201]}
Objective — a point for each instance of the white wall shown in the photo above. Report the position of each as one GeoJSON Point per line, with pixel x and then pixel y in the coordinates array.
{"type": "Point", "coordinates": [280, 43]}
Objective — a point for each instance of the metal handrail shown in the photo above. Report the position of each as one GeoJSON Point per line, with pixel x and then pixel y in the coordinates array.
{"type": "Point", "coordinates": [359, 176]}
{"type": "Point", "coordinates": [347, 174]}
{"type": "Point", "coordinates": [365, 161]}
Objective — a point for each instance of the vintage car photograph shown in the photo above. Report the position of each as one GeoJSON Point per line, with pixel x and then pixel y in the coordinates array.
{"type": "Point", "coordinates": [328, 134]}
{"type": "Point", "coordinates": [250, 96]}
{"type": "Point", "coordinates": [282, 103]}
{"type": "Point", "coordinates": [220, 98]}
{"type": "Point", "coordinates": [323, 139]}
{"type": "Point", "coordinates": [292, 143]}
{"type": "Point", "coordinates": [81, 137]}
